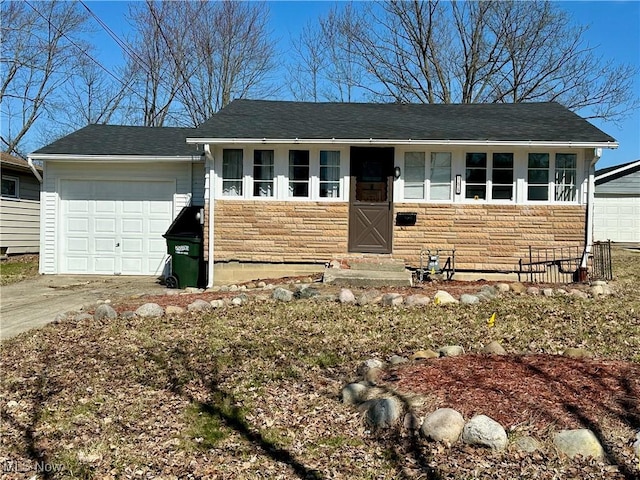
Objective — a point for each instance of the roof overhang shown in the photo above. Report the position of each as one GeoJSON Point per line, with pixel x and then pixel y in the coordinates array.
{"type": "Point", "coordinates": [618, 172]}
{"type": "Point", "coordinates": [383, 141]}
{"type": "Point", "coordinates": [112, 158]}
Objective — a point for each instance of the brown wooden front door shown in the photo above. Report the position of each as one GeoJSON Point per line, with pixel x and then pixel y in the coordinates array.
{"type": "Point", "coordinates": [370, 209]}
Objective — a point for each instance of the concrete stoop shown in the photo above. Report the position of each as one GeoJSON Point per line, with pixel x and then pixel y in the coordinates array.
{"type": "Point", "coordinates": [369, 272]}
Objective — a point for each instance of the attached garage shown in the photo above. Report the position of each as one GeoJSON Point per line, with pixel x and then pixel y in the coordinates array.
{"type": "Point", "coordinates": [617, 204]}
{"type": "Point", "coordinates": [105, 214]}
{"type": "Point", "coordinates": [114, 227]}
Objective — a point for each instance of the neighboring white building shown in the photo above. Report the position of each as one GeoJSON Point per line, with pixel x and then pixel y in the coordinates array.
{"type": "Point", "coordinates": [617, 204]}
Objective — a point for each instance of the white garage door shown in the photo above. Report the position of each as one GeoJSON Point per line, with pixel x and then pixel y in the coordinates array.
{"type": "Point", "coordinates": [114, 227]}
{"type": "Point", "coordinates": [617, 219]}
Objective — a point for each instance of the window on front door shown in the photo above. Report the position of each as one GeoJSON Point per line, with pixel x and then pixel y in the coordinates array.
{"type": "Point", "coordinates": [263, 173]}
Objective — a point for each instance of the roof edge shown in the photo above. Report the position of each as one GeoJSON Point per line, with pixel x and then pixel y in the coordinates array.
{"type": "Point", "coordinates": [409, 141]}
{"type": "Point", "coordinates": [60, 157]}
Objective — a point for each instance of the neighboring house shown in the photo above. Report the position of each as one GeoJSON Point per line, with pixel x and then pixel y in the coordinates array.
{"type": "Point", "coordinates": [617, 203]}
{"type": "Point", "coordinates": [299, 184]}
{"type": "Point", "coordinates": [19, 206]}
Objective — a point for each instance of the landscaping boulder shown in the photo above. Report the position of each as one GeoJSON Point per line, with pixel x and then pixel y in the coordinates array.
{"type": "Point", "coordinates": [468, 299]}
{"type": "Point", "coordinates": [451, 351]}
{"type": "Point", "coordinates": [150, 310]}
{"type": "Point", "coordinates": [174, 310]}
{"type": "Point", "coordinates": [547, 292]}
{"type": "Point", "coordinates": [503, 287]}
{"type": "Point", "coordinates": [354, 393]}
{"type": "Point", "coordinates": [424, 355]}
{"type": "Point", "coordinates": [578, 442]}
{"type": "Point", "coordinates": [217, 303]}
{"type": "Point", "coordinates": [391, 299]}
{"type": "Point", "coordinates": [636, 445]}
{"type": "Point", "coordinates": [346, 296]}
{"type": "Point", "coordinates": [307, 292]}
{"type": "Point", "coordinates": [383, 412]}
{"type": "Point", "coordinates": [397, 360]}
{"type": "Point", "coordinates": [282, 294]}
{"type": "Point", "coordinates": [444, 297]}
{"type": "Point", "coordinates": [369, 296]}
{"type": "Point", "coordinates": [486, 432]}
{"type": "Point", "coordinates": [443, 425]}
{"type": "Point", "coordinates": [517, 287]}
{"type": "Point", "coordinates": [494, 348]}
{"type": "Point", "coordinates": [199, 305]}
{"type": "Point", "coordinates": [105, 312]}
{"type": "Point", "coordinates": [417, 300]}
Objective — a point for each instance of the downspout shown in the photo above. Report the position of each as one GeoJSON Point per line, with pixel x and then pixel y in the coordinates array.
{"type": "Point", "coordinates": [34, 169]}
{"type": "Point", "coordinates": [208, 189]}
{"type": "Point", "coordinates": [591, 186]}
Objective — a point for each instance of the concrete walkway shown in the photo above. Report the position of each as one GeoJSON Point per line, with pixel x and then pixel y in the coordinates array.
{"type": "Point", "coordinates": [35, 302]}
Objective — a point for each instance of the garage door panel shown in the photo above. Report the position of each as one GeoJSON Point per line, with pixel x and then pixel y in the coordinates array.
{"type": "Point", "coordinates": [78, 245]}
{"type": "Point", "coordinates": [115, 227]}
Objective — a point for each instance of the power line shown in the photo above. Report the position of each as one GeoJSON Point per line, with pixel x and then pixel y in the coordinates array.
{"type": "Point", "coordinates": [82, 50]}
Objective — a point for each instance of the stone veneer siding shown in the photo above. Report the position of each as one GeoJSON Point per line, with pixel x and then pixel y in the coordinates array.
{"type": "Point", "coordinates": [273, 231]}
{"type": "Point", "coordinates": [486, 237]}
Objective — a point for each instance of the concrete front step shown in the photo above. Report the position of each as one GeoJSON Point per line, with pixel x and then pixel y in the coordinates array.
{"type": "Point", "coordinates": [375, 263]}
{"type": "Point", "coordinates": [367, 278]}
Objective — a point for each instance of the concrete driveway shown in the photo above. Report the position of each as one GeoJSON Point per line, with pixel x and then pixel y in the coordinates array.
{"type": "Point", "coordinates": [35, 302]}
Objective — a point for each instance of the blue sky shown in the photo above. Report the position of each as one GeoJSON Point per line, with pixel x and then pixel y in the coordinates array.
{"type": "Point", "coordinates": [614, 30]}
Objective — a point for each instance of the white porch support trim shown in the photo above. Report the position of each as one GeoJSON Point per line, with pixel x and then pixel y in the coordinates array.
{"type": "Point", "coordinates": [591, 187]}
{"type": "Point", "coordinates": [209, 195]}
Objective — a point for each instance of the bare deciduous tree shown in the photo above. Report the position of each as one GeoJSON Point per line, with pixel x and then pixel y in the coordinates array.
{"type": "Point", "coordinates": [193, 58]}
{"type": "Point", "coordinates": [39, 54]}
{"type": "Point", "coordinates": [470, 52]}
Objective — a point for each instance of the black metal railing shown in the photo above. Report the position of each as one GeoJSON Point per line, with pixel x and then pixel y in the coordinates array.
{"type": "Point", "coordinates": [553, 265]}
{"type": "Point", "coordinates": [601, 268]}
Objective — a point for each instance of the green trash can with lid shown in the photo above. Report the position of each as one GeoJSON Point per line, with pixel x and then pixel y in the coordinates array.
{"type": "Point", "coordinates": [185, 246]}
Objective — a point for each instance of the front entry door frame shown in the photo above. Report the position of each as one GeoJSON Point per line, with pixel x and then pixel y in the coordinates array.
{"type": "Point", "coordinates": [371, 200]}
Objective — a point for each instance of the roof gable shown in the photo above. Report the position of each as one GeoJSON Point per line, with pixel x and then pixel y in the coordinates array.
{"type": "Point", "coordinates": [539, 122]}
{"type": "Point", "coordinates": [116, 140]}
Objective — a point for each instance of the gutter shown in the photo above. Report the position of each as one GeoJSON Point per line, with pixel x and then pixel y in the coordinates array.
{"type": "Point", "coordinates": [409, 141]}
{"type": "Point", "coordinates": [591, 186]}
{"type": "Point", "coordinates": [33, 168]}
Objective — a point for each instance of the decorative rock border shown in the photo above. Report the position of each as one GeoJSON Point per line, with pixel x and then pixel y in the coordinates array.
{"type": "Point", "coordinates": [384, 408]}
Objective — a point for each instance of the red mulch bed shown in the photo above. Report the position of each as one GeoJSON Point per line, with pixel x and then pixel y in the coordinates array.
{"type": "Point", "coordinates": [534, 390]}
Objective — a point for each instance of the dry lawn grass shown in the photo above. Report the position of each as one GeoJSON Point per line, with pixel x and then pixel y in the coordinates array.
{"type": "Point", "coordinates": [253, 392]}
{"type": "Point", "coordinates": [18, 268]}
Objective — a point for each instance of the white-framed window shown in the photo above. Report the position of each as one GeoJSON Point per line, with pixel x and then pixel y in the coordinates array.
{"type": "Point", "coordinates": [414, 175]}
{"type": "Point", "coordinates": [232, 172]}
{"type": "Point", "coordinates": [502, 176]}
{"type": "Point", "coordinates": [538, 177]}
{"type": "Point", "coordinates": [565, 177]}
{"type": "Point", "coordinates": [329, 174]}
{"type": "Point", "coordinates": [10, 186]}
{"type": "Point", "coordinates": [299, 173]}
{"type": "Point", "coordinates": [263, 173]}
{"type": "Point", "coordinates": [476, 176]}
{"type": "Point", "coordinates": [440, 176]}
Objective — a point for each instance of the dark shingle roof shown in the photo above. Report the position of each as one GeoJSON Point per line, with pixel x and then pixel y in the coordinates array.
{"type": "Point", "coordinates": [626, 169]}
{"type": "Point", "coordinates": [123, 140]}
{"type": "Point", "coordinates": [493, 122]}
